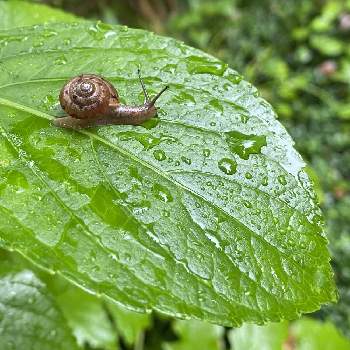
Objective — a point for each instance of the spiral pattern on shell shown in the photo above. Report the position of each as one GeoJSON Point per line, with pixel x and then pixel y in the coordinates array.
{"type": "Point", "coordinates": [88, 96]}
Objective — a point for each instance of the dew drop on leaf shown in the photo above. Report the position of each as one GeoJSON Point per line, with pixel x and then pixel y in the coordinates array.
{"type": "Point", "coordinates": [227, 166]}
{"type": "Point", "coordinates": [186, 160]}
{"type": "Point", "coordinates": [265, 181]}
{"type": "Point", "coordinates": [60, 61]}
{"type": "Point", "coordinates": [244, 118]}
{"type": "Point", "coordinates": [159, 154]}
{"type": "Point", "coordinates": [282, 180]}
{"type": "Point", "coordinates": [247, 204]}
{"type": "Point", "coordinates": [162, 193]}
{"type": "Point", "coordinates": [245, 145]}
{"type": "Point", "coordinates": [206, 152]}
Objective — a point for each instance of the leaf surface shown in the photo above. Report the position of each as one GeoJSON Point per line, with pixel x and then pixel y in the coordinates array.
{"type": "Point", "coordinates": [204, 212]}
{"type": "Point", "coordinates": [88, 319]}
{"type": "Point", "coordinates": [29, 317]}
{"type": "Point", "coordinates": [196, 335]}
{"type": "Point", "coordinates": [130, 325]}
{"type": "Point", "coordinates": [273, 336]}
{"type": "Point", "coordinates": [22, 13]}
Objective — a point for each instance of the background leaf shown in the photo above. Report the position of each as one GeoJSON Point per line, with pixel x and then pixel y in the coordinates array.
{"type": "Point", "coordinates": [196, 335]}
{"type": "Point", "coordinates": [130, 325]}
{"type": "Point", "coordinates": [253, 337]}
{"type": "Point", "coordinates": [205, 212]}
{"type": "Point", "coordinates": [29, 316]}
{"type": "Point", "coordinates": [313, 335]}
{"type": "Point", "coordinates": [303, 334]}
{"type": "Point", "coordinates": [88, 318]}
{"type": "Point", "coordinates": [21, 13]}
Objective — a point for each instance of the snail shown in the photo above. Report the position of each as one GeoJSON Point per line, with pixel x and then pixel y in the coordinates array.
{"type": "Point", "coordinates": [90, 100]}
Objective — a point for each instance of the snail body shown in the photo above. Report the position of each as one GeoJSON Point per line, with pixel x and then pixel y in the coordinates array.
{"type": "Point", "coordinates": [90, 100]}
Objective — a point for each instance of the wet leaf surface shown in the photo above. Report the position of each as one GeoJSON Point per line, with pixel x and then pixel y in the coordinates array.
{"type": "Point", "coordinates": [29, 316]}
{"type": "Point", "coordinates": [204, 212]}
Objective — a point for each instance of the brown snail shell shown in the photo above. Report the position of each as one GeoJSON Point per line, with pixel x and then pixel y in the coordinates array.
{"type": "Point", "coordinates": [88, 96]}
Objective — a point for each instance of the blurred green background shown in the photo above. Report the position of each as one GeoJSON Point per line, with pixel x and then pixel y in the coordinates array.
{"type": "Point", "coordinates": [297, 52]}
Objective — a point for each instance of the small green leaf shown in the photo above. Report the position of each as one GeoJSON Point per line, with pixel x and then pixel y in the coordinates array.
{"type": "Point", "coordinates": [130, 324]}
{"type": "Point", "coordinates": [314, 335]}
{"type": "Point", "coordinates": [196, 335]}
{"type": "Point", "coordinates": [22, 13]}
{"type": "Point", "coordinates": [303, 334]}
{"type": "Point", "coordinates": [253, 337]}
{"type": "Point", "coordinates": [204, 212]}
{"type": "Point", "coordinates": [88, 318]}
{"type": "Point", "coordinates": [29, 317]}
{"type": "Point", "coordinates": [327, 45]}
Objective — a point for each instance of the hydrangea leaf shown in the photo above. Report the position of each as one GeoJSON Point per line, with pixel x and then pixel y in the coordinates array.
{"type": "Point", "coordinates": [303, 334]}
{"type": "Point", "coordinates": [29, 316]}
{"type": "Point", "coordinates": [22, 13]}
{"type": "Point", "coordinates": [130, 325]}
{"type": "Point", "coordinates": [253, 337]}
{"type": "Point", "coordinates": [88, 318]}
{"type": "Point", "coordinates": [311, 334]}
{"type": "Point", "coordinates": [204, 212]}
{"type": "Point", "coordinates": [196, 335]}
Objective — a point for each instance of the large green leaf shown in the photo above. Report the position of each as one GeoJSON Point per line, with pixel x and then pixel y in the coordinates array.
{"type": "Point", "coordinates": [21, 13]}
{"type": "Point", "coordinates": [205, 212]}
{"type": "Point", "coordinates": [29, 317]}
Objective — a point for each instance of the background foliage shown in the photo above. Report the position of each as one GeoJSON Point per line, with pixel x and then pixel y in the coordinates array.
{"type": "Point", "coordinates": [297, 54]}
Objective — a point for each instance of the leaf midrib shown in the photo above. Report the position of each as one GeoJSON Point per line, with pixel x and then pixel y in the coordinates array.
{"type": "Point", "coordinates": [148, 166]}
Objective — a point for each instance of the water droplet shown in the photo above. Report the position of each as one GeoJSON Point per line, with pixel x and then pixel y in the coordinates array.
{"type": "Point", "coordinates": [248, 176]}
{"type": "Point", "coordinates": [38, 44]}
{"type": "Point", "coordinates": [247, 204]}
{"type": "Point", "coordinates": [212, 123]}
{"type": "Point", "coordinates": [49, 33]}
{"type": "Point", "coordinates": [228, 166]}
{"type": "Point", "coordinates": [186, 160]}
{"type": "Point", "coordinates": [217, 105]}
{"type": "Point", "coordinates": [234, 77]}
{"type": "Point", "coordinates": [170, 68]}
{"type": "Point", "coordinates": [162, 193]}
{"type": "Point", "coordinates": [150, 123]}
{"type": "Point", "coordinates": [166, 213]}
{"type": "Point", "coordinates": [148, 141]}
{"type": "Point", "coordinates": [282, 180]}
{"type": "Point", "coordinates": [184, 97]}
{"type": "Point", "coordinates": [61, 60]}
{"type": "Point", "coordinates": [265, 181]}
{"type": "Point", "coordinates": [244, 118]}
{"type": "Point", "coordinates": [245, 145]}
{"type": "Point", "coordinates": [202, 65]}
{"type": "Point", "coordinates": [206, 152]}
{"type": "Point", "coordinates": [49, 102]}
{"type": "Point", "coordinates": [101, 30]}
{"type": "Point", "coordinates": [159, 154]}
